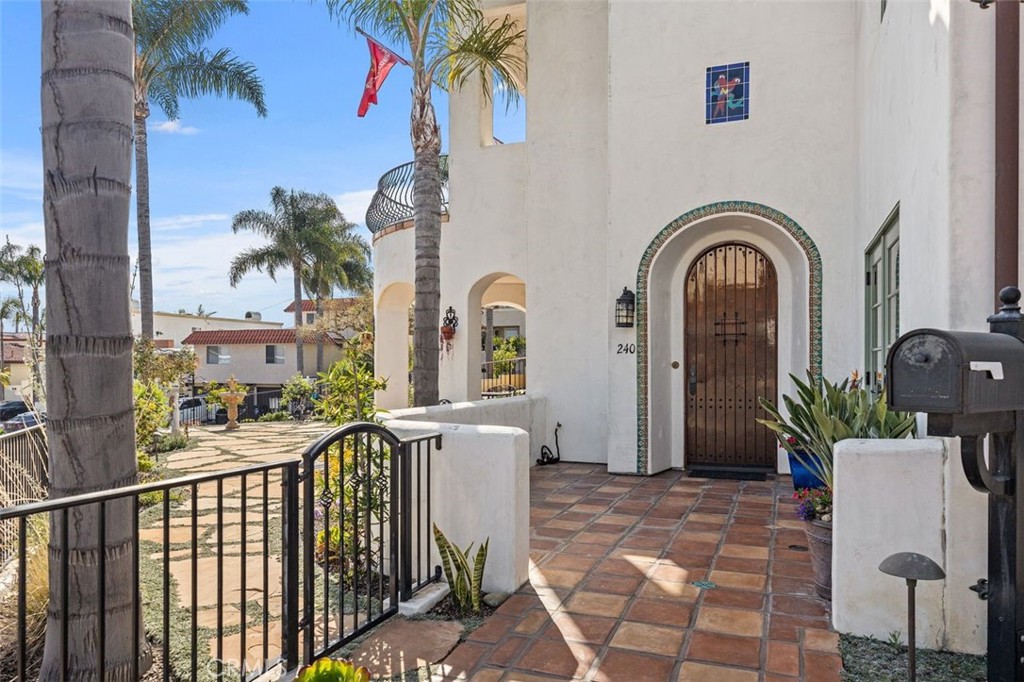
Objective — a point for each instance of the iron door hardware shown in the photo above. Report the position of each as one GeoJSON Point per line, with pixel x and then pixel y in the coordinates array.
{"type": "Point", "coordinates": [693, 380]}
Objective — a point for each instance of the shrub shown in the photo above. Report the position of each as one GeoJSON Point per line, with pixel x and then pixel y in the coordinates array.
{"type": "Point", "coordinates": [297, 393]}
{"type": "Point", "coordinates": [333, 670]}
{"type": "Point", "coordinates": [170, 442]}
{"type": "Point", "coordinates": [464, 581]}
{"type": "Point", "coordinates": [274, 417]}
{"type": "Point", "coordinates": [347, 388]}
{"type": "Point", "coordinates": [151, 411]}
{"type": "Point", "coordinates": [37, 590]}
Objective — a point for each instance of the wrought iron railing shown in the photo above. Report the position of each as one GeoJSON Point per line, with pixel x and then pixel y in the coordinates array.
{"type": "Point", "coordinates": [209, 548]}
{"type": "Point", "coordinates": [393, 201]}
{"type": "Point", "coordinates": [502, 378]}
{"type": "Point", "coordinates": [24, 477]}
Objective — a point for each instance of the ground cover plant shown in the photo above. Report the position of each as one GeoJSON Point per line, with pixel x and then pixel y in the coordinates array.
{"type": "Point", "coordinates": [866, 659]}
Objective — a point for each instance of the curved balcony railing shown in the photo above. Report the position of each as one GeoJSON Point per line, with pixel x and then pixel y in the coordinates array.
{"type": "Point", "coordinates": [392, 203]}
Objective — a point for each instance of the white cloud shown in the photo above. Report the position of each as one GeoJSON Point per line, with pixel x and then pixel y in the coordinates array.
{"type": "Point", "coordinates": [354, 204]}
{"type": "Point", "coordinates": [174, 127]}
{"type": "Point", "coordinates": [21, 175]}
{"type": "Point", "coordinates": [186, 222]}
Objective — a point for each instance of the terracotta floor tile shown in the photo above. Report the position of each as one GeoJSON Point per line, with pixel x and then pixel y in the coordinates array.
{"type": "Point", "coordinates": [556, 578]}
{"type": "Point", "coordinates": [518, 603]}
{"type": "Point", "coordinates": [725, 649]}
{"type": "Point", "coordinates": [493, 629]}
{"type": "Point", "coordinates": [781, 626]}
{"type": "Point", "coordinates": [660, 589]}
{"type": "Point", "coordinates": [567, 525]}
{"type": "Point", "coordinates": [661, 522]}
{"type": "Point", "coordinates": [488, 675]}
{"type": "Point", "coordinates": [775, 677]}
{"type": "Point", "coordinates": [708, 518]}
{"type": "Point", "coordinates": [570, 562]}
{"type": "Point", "coordinates": [783, 553]}
{"type": "Point", "coordinates": [703, 527]}
{"type": "Point", "coordinates": [617, 566]}
{"type": "Point", "coordinates": [648, 638]}
{"type": "Point", "coordinates": [740, 565]}
{"type": "Point", "coordinates": [701, 672]}
{"type": "Point", "coordinates": [691, 561]}
{"type": "Point", "coordinates": [597, 604]}
{"type": "Point", "coordinates": [739, 581]}
{"type": "Point", "coordinates": [783, 658]}
{"type": "Point", "coordinates": [532, 621]}
{"type": "Point", "coordinates": [821, 640]}
{"type": "Point", "coordinates": [618, 519]}
{"type": "Point", "coordinates": [737, 599]}
{"type": "Point", "coordinates": [669, 572]}
{"type": "Point", "coordinates": [580, 628]}
{"type": "Point", "coordinates": [686, 536]}
{"type": "Point", "coordinates": [796, 586]}
{"type": "Point", "coordinates": [557, 658]}
{"type": "Point", "coordinates": [822, 667]}
{"type": "Point", "coordinates": [618, 665]}
{"type": "Point", "coordinates": [557, 533]}
{"type": "Point", "coordinates": [660, 612]}
{"type": "Point", "coordinates": [577, 516]}
{"type": "Point", "coordinates": [792, 569]}
{"type": "Point", "coordinates": [465, 656]}
{"type": "Point", "coordinates": [640, 542]}
{"type": "Point", "coordinates": [584, 549]}
{"type": "Point", "coordinates": [601, 527]}
{"type": "Point", "coordinates": [505, 651]}
{"type": "Point", "coordinates": [613, 584]}
{"type": "Point", "coordinates": [730, 621]}
{"type": "Point", "coordinates": [798, 606]}
{"type": "Point", "coordinates": [543, 543]}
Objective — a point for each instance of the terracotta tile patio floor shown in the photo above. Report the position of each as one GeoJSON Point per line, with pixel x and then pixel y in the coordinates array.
{"type": "Point", "coordinates": [611, 596]}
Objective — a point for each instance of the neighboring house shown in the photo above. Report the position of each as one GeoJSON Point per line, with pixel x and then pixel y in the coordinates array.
{"type": "Point", "coordinates": [331, 309]}
{"type": "Point", "coordinates": [264, 358]}
{"type": "Point", "coordinates": [170, 329]}
{"type": "Point", "coordinates": [16, 359]}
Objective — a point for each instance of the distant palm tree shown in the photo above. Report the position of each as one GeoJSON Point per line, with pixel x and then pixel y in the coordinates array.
{"type": "Point", "coordinates": [171, 61]}
{"type": "Point", "coordinates": [449, 42]}
{"type": "Point", "coordinates": [86, 89]}
{"type": "Point", "coordinates": [301, 229]}
{"type": "Point", "coordinates": [10, 308]}
{"type": "Point", "coordinates": [346, 266]}
{"type": "Point", "coordinates": [23, 267]}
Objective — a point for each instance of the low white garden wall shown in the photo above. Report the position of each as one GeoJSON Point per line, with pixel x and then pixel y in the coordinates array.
{"type": "Point", "coordinates": [908, 496]}
{"type": "Point", "coordinates": [526, 412]}
{"type": "Point", "coordinates": [480, 488]}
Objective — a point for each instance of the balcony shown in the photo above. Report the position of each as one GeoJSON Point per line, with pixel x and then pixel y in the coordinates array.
{"type": "Point", "coordinates": [392, 204]}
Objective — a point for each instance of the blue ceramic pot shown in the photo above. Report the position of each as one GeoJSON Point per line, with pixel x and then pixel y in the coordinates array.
{"type": "Point", "coordinates": [802, 476]}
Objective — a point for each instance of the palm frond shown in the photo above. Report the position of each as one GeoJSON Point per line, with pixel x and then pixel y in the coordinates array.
{"type": "Point", "coordinates": [163, 96]}
{"type": "Point", "coordinates": [254, 220]}
{"type": "Point", "coordinates": [386, 20]}
{"type": "Point", "coordinates": [494, 49]}
{"type": "Point", "coordinates": [179, 26]}
{"type": "Point", "coordinates": [268, 258]}
{"type": "Point", "coordinates": [219, 73]}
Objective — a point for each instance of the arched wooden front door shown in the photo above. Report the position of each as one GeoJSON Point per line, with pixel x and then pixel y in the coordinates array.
{"type": "Point", "coordinates": [731, 358]}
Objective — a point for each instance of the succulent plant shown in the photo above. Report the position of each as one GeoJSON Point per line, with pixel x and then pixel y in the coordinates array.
{"type": "Point", "coordinates": [333, 670]}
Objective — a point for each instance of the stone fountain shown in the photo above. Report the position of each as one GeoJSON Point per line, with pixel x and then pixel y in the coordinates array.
{"type": "Point", "coordinates": [232, 398]}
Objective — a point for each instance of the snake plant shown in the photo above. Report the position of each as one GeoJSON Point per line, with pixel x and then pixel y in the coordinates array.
{"type": "Point", "coordinates": [464, 581]}
{"type": "Point", "coordinates": [825, 413]}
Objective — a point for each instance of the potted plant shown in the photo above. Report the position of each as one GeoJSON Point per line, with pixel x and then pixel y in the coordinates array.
{"type": "Point", "coordinates": [823, 414]}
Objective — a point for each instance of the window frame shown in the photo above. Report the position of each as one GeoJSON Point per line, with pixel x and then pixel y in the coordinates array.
{"type": "Point", "coordinates": [278, 354]}
{"type": "Point", "coordinates": [222, 358]}
{"type": "Point", "coordinates": [881, 298]}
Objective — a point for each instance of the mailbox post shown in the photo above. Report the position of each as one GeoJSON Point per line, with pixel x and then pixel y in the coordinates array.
{"type": "Point", "coordinates": [971, 385]}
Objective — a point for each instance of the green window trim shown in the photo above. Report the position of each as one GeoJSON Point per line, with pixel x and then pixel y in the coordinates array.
{"type": "Point", "coordinates": [881, 298]}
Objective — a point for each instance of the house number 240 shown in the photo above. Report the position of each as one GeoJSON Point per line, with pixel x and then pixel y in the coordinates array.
{"type": "Point", "coordinates": [626, 349]}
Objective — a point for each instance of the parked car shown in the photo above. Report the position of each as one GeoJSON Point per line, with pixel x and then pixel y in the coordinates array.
{"type": "Point", "coordinates": [9, 409]}
{"type": "Point", "coordinates": [193, 410]}
{"type": "Point", "coordinates": [25, 420]}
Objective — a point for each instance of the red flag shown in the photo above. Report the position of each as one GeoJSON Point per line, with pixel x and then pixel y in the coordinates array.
{"type": "Point", "coordinates": [381, 61]}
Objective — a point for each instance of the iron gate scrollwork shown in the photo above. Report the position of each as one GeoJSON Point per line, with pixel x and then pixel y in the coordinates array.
{"type": "Point", "coordinates": [366, 524]}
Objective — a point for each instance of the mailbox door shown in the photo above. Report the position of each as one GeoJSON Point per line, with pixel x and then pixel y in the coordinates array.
{"type": "Point", "coordinates": [924, 374]}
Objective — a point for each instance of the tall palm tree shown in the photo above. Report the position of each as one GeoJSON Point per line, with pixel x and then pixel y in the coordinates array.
{"type": "Point", "coordinates": [10, 308]}
{"type": "Point", "coordinates": [87, 155]}
{"type": "Point", "coordinates": [450, 43]}
{"type": "Point", "coordinates": [298, 230]}
{"type": "Point", "coordinates": [346, 265]}
{"type": "Point", "coordinates": [171, 61]}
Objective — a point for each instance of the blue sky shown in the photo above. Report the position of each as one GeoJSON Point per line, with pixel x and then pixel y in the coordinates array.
{"type": "Point", "coordinates": [220, 158]}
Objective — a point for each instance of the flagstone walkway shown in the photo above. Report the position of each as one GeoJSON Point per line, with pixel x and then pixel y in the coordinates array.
{"type": "Point", "coordinates": [612, 597]}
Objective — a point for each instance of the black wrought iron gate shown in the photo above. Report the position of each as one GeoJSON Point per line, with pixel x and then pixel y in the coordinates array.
{"type": "Point", "coordinates": [365, 536]}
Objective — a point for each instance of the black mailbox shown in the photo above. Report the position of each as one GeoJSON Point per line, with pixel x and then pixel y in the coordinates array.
{"type": "Point", "coordinates": [943, 372]}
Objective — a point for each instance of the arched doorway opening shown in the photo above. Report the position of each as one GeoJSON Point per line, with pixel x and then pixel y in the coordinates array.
{"type": "Point", "coordinates": [499, 369]}
{"type": "Point", "coordinates": [392, 345]}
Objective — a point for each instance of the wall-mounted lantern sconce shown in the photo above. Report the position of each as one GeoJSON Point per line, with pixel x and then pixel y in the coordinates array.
{"type": "Point", "coordinates": [625, 308]}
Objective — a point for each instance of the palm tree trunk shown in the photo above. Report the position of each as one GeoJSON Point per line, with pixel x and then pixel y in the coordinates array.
{"type": "Point", "coordinates": [426, 142]}
{"type": "Point", "coordinates": [297, 277]}
{"type": "Point", "coordinates": [145, 260]}
{"type": "Point", "coordinates": [320, 333]}
{"type": "Point", "coordinates": [87, 96]}
{"type": "Point", "coordinates": [3, 394]}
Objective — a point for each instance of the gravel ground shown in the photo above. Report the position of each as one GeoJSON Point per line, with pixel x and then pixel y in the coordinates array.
{"type": "Point", "coordinates": [871, 660]}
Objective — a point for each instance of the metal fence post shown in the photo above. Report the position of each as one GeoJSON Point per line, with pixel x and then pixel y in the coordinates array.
{"type": "Point", "coordinates": [405, 519]}
{"type": "Point", "coordinates": [290, 565]}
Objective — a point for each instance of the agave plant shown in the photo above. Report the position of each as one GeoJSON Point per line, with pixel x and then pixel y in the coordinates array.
{"type": "Point", "coordinates": [826, 413]}
{"type": "Point", "coordinates": [333, 670]}
{"type": "Point", "coordinates": [464, 581]}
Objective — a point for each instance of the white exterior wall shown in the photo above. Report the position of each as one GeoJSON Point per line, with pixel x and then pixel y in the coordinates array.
{"type": "Point", "coordinates": [917, 492]}
{"type": "Point", "coordinates": [249, 364]}
{"type": "Point", "coordinates": [175, 327]}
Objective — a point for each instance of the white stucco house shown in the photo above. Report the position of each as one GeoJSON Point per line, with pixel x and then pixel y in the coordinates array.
{"type": "Point", "coordinates": [784, 186]}
{"type": "Point", "coordinates": [170, 329]}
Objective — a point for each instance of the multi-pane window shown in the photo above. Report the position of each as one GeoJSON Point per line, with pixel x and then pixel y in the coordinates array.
{"type": "Point", "coordinates": [882, 280]}
{"type": "Point", "coordinates": [310, 317]}
{"type": "Point", "coordinates": [216, 356]}
{"type": "Point", "coordinates": [275, 355]}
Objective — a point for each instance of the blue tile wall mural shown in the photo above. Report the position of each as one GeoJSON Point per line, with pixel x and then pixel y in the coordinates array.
{"type": "Point", "coordinates": [727, 93]}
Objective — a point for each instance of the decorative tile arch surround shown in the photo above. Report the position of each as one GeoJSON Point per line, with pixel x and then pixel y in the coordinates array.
{"type": "Point", "coordinates": [643, 278]}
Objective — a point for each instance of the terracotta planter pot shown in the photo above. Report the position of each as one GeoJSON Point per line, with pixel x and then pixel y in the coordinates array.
{"type": "Point", "coordinates": [447, 333]}
{"type": "Point", "coordinates": [819, 542]}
